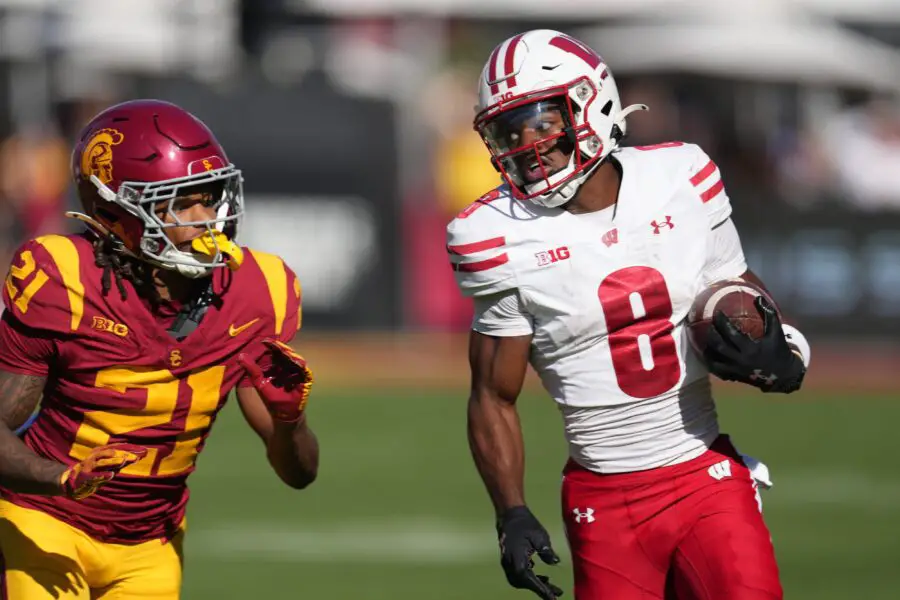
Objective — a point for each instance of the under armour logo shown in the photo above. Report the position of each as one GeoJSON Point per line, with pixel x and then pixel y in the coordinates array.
{"type": "Point", "coordinates": [657, 225]}
{"type": "Point", "coordinates": [610, 237]}
{"type": "Point", "coordinates": [767, 379]}
{"type": "Point", "coordinates": [720, 470]}
{"type": "Point", "coordinates": [587, 515]}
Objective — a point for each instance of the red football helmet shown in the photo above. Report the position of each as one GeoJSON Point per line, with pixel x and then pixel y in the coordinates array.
{"type": "Point", "coordinates": [137, 155]}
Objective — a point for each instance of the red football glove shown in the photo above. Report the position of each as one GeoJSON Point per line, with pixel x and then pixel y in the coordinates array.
{"type": "Point", "coordinates": [284, 386]}
{"type": "Point", "coordinates": [103, 463]}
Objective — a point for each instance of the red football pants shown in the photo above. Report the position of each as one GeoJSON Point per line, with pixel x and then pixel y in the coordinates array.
{"type": "Point", "coordinates": [691, 531]}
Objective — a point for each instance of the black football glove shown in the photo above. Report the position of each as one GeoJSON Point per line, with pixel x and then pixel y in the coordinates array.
{"type": "Point", "coordinates": [521, 535]}
{"type": "Point", "coordinates": [767, 363]}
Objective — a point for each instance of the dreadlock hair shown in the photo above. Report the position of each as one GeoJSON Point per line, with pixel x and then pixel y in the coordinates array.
{"type": "Point", "coordinates": [108, 256]}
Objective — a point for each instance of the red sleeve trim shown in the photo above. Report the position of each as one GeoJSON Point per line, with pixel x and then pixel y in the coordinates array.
{"type": "Point", "coordinates": [474, 247]}
{"type": "Point", "coordinates": [712, 192]}
{"type": "Point", "coordinates": [482, 265]}
{"type": "Point", "coordinates": [705, 172]}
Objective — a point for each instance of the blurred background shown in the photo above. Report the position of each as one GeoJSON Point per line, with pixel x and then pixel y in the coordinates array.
{"type": "Point", "coordinates": [351, 120]}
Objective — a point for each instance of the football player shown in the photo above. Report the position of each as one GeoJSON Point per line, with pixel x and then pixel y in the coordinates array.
{"type": "Point", "coordinates": [584, 263]}
{"type": "Point", "coordinates": [132, 335]}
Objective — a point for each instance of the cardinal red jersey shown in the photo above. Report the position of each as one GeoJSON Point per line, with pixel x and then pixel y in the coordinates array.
{"type": "Point", "coordinates": [114, 374]}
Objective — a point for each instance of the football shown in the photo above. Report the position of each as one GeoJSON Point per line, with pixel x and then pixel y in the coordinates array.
{"type": "Point", "coordinates": [735, 298]}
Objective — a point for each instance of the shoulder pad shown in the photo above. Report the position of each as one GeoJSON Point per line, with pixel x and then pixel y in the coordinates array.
{"type": "Point", "coordinates": [284, 294]}
{"type": "Point", "coordinates": [706, 179]}
{"type": "Point", "coordinates": [477, 243]}
{"type": "Point", "coordinates": [689, 162]}
{"type": "Point", "coordinates": [44, 288]}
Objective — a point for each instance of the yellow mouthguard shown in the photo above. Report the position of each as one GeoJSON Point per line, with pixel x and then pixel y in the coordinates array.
{"type": "Point", "coordinates": [207, 245]}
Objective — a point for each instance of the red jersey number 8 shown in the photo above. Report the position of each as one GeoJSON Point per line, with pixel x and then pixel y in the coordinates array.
{"type": "Point", "coordinates": [638, 312]}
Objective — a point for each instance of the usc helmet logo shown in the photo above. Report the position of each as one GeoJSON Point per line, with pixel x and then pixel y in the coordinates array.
{"type": "Point", "coordinates": [97, 156]}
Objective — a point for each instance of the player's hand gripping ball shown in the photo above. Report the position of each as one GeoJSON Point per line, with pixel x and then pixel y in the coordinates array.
{"type": "Point", "coordinates": [736, 328]}
{"type": "Point", "coordinates": [282, 378]}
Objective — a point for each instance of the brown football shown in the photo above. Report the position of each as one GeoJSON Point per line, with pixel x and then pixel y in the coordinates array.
{"type": "Point", "coordinates": [735, 298]}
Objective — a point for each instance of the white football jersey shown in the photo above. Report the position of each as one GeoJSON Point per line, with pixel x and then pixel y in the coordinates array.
{"type": "Point", "coordinates": [605, 295]}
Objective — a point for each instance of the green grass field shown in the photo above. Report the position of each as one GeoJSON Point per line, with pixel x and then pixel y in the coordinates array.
{"type": "Point", "coordinates": [398, 511]}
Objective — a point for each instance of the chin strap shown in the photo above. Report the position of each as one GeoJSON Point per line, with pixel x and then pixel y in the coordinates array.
{"type": "Point", "coordinates": [207, 245]}
{"type": "Point", "coordinates": [190, 315]}
{"type": "Point", "coordinates": [98, 229]}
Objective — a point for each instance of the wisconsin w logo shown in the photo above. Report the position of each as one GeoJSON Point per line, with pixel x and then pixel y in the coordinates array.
{"type": "Point", "coordinates": [720, 470]}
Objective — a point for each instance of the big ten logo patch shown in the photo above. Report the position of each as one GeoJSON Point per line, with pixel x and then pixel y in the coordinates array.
{"type": "Point", "coordinates": [548, 257]}
{"type": "Point", "coordinates": [103, 324]}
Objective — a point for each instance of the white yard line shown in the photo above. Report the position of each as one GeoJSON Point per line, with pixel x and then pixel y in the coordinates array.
{"type": "Point", "coordinates": [439, 540]}
{"type": "Point", "coordinates": [374, 541]}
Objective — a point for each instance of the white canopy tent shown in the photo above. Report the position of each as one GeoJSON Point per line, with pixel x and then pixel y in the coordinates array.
{"type": "Point", "coordinates": [859, 11]}
{"type": "Point", "coordinates": [766, 40]}
{"type": "Point", "coordinates": [501, 9]}
{"type": "Point", "coordinates": [851, 10]}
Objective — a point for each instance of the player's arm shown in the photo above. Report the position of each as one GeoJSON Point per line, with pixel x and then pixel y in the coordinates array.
{"type": "Point", "coordinates": [498, 366]}
{"type": "Point", "coordinates": [24, 472]}
{"type": "Point", "coordinates": [781, 355]}
{"type": "Point", "coordinates": [24, 358]}
{"type": "Point", "coordinates": [731, 354]}
{"type": "Point", "coordinates": [292, 448]}
{"type": "Point", "coordinates": [275, 408]}
{"type": "Point", "coordinates": [21, 470]}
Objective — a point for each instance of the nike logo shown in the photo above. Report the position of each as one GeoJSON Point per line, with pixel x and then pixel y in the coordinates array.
{"type": "Point", "coordinates": [233, 331]}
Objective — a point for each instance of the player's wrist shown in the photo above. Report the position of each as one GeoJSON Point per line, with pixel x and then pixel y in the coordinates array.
{"type": "Point", "coordinates": [505, 515]}
{"type": "Point", "coordinates": [288, 420]}
{"type": "Point", "coordinates": [798, 343]}
{"type": "Point", "coordinates": [62, 479]}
